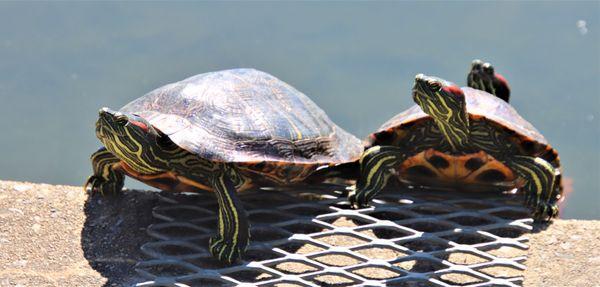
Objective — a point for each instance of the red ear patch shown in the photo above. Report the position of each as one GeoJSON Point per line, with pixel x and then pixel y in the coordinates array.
{"type": "Point", "coordinates": [453, 89]}
{"type": "Point", "coordinates": [141, 125]}
{"type": "Point", "coordinates": [502, 79]}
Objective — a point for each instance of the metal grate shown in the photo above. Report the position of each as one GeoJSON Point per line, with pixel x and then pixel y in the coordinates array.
{"type": "Point", "coordinates": [309, 236]}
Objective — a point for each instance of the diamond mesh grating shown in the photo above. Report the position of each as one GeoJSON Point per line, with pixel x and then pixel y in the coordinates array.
{"type": "Point", "coordinates": [309, 236]}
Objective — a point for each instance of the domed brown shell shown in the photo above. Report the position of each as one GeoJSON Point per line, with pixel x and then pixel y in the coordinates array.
{"type": "Point", "coordinates": [245, 115]}
{"type": "Point", "coordinates": [482, 105]}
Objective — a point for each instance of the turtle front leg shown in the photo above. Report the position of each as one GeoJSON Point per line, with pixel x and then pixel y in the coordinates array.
{"type": "Point", "coordinates": [106, 179]}
{"type": "Point", "coordinates": [540, 178]}
{"type": "Point", "coordinates": [234, 234]}
{"type": "Point", "coordinates": [376, 167]}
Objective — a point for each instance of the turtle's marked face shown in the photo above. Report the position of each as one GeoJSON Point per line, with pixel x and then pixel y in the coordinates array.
{"type": "Point", "coordinates": [115, 124]}
{"type": "Point", "coordinates": [481, 69]}
{"type": "Point", "coordinates": [129, 137]}
{"type": "Point", "coordinates": [446, 104]}
{"type": "Point", "coordinates": [437, 97]}
{"type": "Point", "coordinates": [483, 77]}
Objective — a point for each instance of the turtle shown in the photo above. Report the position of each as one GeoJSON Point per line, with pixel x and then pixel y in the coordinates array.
{"type": "Point", "coordinates": [225, 132]}
{"type": "Point", "coordinates": [483, 77]}
{"type": "Point", "coordinates": [463, 138]}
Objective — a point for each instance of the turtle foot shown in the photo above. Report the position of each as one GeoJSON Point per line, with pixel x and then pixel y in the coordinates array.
{"type": "Point", "coordinates": [96, 184]}
{"type": "Point", "coordinates": [357, 202]}
{"type": "Point", "coordinates": [544, 212]}
{"type": "Point", "coordinates": [227, 250]}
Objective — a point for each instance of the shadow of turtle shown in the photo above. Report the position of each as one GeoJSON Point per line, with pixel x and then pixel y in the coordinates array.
{"type": "Point", "coordinates": [123, 231]}
{"type": "Point", "coordinates": [461, 229]}
{"type": "Point", "coordinates": [305, 232]}
{"type": "Point", "coordinates": [184, 222]}
{"type": "Point", "coordinates": [113, 233]}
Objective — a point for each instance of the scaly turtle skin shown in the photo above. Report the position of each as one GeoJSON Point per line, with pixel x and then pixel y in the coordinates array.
{"type": "Point", "coordinates": [464, 138]}
{"type": "Point", "coordinates": [225, 132]}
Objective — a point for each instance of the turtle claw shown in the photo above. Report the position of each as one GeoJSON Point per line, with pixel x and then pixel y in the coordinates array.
{"type": "Point", "coordinates": [226, 250]}
{"type": "Point", "coordinates": [544, 212]}
{"type": "Point", "coordinates": [357, 202]}
{"type": "Point", "coordinates": [96, 184]}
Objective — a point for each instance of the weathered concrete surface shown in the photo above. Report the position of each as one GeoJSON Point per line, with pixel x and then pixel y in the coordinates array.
{"type": "Point", "coordinates": [56, 236]}
{"type": "Point", "coordinates": [50, 236]}
{"type": "Point", "coordinates": [566, 254]}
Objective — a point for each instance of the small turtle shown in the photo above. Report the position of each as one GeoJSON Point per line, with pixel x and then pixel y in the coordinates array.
{"type": "Point", "coordinates": [464, 138]}
{"type": "Point", "coordinates": [225, 132]}
{"type": "Point", "coordinates": [482, 77]}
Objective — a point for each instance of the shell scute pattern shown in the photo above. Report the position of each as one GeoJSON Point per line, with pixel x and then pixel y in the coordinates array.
{"type": "Point", "coordinates": [245, 115]}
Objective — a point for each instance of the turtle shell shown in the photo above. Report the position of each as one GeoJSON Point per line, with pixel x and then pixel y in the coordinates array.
{"type": "Point", "coordinates": [482, 106]}
{"type": "Point", "coordinates": [245, 116]}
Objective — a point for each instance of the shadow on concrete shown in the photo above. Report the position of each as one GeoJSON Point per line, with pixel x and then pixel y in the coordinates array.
{"type": "Point", "coordinates": [114, 230]}
{"type": "Point", "coordinates": [115, 233]}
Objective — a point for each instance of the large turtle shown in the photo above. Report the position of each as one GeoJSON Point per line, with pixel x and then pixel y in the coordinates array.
{"type": "Point", "coordinates": [465, 138]}
{"type": "Point", "coordinates": [225, 132]}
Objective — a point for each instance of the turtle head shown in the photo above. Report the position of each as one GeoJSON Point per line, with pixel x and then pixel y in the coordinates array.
{"type": "Point", "coordinates": [129, 137]}
{"type": "Point", "coordinates": [446, 104]}
{"type": "Point", "coordinates": [483, 77]}
{"type": "Point", "coordinates": [123, 125]}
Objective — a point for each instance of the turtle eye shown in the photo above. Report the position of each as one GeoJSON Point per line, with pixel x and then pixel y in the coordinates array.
{"type": "Point", "coordinates": [435, 85]}
{"type": "Point", "coordinates": [121, 119]}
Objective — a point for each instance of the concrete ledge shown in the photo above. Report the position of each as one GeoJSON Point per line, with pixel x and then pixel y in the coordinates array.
{"type": "Point", "coordinates": [48, 237]}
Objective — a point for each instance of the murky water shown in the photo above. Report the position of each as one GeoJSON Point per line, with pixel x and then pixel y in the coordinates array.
{"type": "Point", "coordinates": [61, 62]}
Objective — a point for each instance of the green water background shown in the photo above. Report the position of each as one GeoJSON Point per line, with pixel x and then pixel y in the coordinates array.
{"type": "Point", "coordinates": [61, 62]}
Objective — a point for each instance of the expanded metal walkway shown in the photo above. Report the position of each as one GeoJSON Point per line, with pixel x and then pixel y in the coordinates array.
{"type": "Point", "coordinates": [308, 236]}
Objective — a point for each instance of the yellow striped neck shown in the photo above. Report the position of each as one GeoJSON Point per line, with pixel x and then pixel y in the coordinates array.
{"type": "Point", "coordinates": [451, 118]}
{"type": "Point", "coordinates": [456, 136]}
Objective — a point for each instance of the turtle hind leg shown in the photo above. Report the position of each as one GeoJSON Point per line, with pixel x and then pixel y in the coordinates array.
{"type": "Point", "coordinates": [106, 178]}
{"type": "Point", "coordinates": [540, 179]}
{"type": "Point", "coordinates": [376, 166]}
{"type": "Point", "coordinates": [234, 233]}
